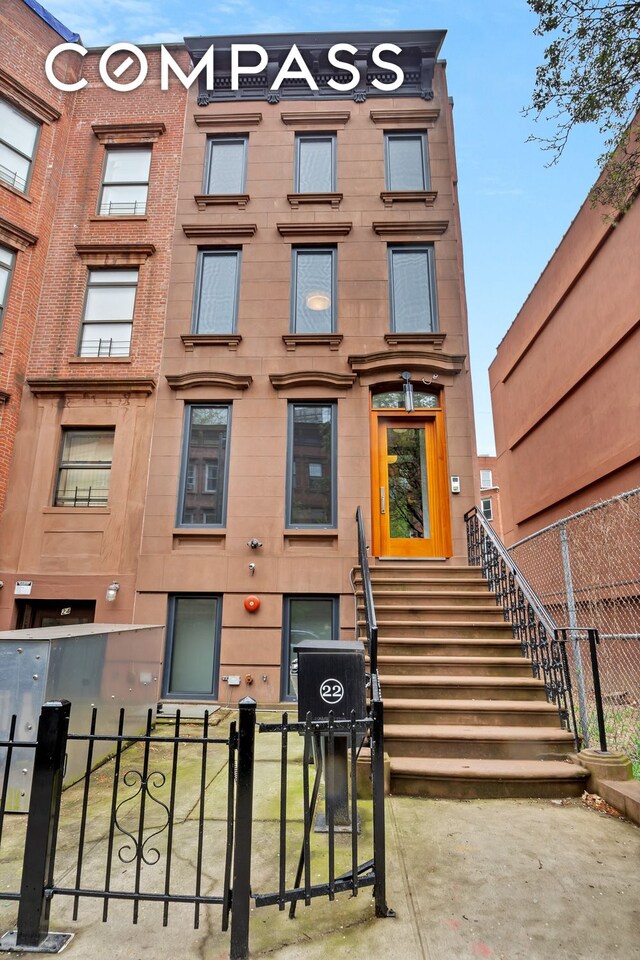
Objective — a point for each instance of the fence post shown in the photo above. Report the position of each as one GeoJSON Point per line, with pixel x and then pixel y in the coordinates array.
{"type": "Point", "coordinates": [42, 825]}
{"type": "Point", "coordinates": [377, 776]}
{"type": "Point", "coordinates": [575, 641]}
{"type": "Point", "coordinates": [241, 891]}
{"type": "Point", "coordinates": [597, 691]}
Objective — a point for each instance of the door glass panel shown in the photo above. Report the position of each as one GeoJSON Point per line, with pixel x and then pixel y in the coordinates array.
{"type": "Point", "coordinates": [408, 490]}
{"type": "Point", "coordinates": [193, 649]}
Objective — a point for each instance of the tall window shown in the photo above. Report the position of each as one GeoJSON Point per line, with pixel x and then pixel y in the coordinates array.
{"type": "Point", "coordinates": [311, 475]}
{"type": "Point", "coordinates": [108, 313]}
{"type": "Point", "coordinates": [406, 161]}
{"type": "Point", "coordinates": [193, 647]}
{"type": "Point", "coordinates": [204, 466]}
{"type": "Point", "coordinates": [85, 468]}
{"type": "Point", "coordinates": [487, 508]}
{"type": "Point", "coordinates": [315, 164]}
{"type": "Point", "coordinates": [313, 290]}
{"type": "Point", "coordinates": [486, 479]}
{"type": "Point", "coordinates": [7, 260]}
{"type": "Point", "coordinates": [226, 162]}
{"type": "Point", "coordinates": [125, 182]}
{"type": "Point", "coordinates": [215, 308]}
{"type": "Point", "coordinates": [412, 289]}
{"type": "Point", "coordinates": [305, 618]}
{"type": "Point", "coordinates": [18, 139]}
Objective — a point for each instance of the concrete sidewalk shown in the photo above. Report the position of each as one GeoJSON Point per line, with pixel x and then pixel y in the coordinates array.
{"type": "Point", "coordinates": [503, 879]}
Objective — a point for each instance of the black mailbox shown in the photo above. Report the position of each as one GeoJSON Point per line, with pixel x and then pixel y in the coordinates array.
{"type": "Point", "coordinates": [330, 677]}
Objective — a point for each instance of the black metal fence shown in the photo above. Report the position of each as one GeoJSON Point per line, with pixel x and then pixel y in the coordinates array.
{"type": "Point", "coordinates": [136, 828]}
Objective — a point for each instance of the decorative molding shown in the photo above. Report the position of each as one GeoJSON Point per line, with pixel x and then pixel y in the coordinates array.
{"type": "Point", "coordinates": [218, 231]}
{"type": "Point", "coordinates": [405, 118]}
{"type": "Point", "coordinates": [16, 237]}
{"type": "Point", "coordinates": [114, 254]}
{"type": "Point", "coordinates": [312, 228]}
{"type": "Point", "coordinates": [317, 118]}
{"type": "Point", "coordinates": [204, 200]}
{"type": "Point", "coordinates": [209, 378]}
{"type": "Point", "coordinates": [416, 360]}
{"type": "Point", "coordinates": [215, 121]}
{"type": "Point", "coordinates": [409, 228]}
{"type": "Point", "coordinates": [293, 340]}
{"type": "Point", "coordinates": [230, 340]}
{"type": "Point", "coordinates": [117, 218]}
{"type": "Point", "coordinates": [54, 387]}
{"type": "Point", "coordinates": [312, 378]}
{"type": "Point", "coordinates": [389, 197]}
{"type": "Point", "coordinates": [138, 132]}
{"type": "Point", "coordinates": [434, 340]}
{"type": "Point", "coordinates": [295, 199]}
{"type": "Point", "coordinates": [30, 102]}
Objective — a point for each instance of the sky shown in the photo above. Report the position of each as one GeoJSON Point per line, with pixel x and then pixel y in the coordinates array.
{"type": "Point", "coordinates": [515, 208]}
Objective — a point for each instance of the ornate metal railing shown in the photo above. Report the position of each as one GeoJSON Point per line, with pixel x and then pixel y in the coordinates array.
{"type": "Point", "coordinates": [532, 625]}
{"type": "Point", "coordinates": [371, 624]}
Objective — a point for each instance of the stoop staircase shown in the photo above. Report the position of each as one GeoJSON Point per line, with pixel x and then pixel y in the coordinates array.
{"type": "Point", "coordinates": [464, 717]}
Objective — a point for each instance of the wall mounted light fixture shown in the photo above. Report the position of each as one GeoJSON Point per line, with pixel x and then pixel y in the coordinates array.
{"type": "Point", "coordinates": [407, 387]}
{"type": "Point", "coordinates": [112, 591]}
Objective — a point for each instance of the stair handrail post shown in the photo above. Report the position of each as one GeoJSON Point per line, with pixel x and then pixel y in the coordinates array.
{"type": "Point", "coordinates": [371, 623]}
{"type": "Point", "coordinates": [594, 640]}
{"type": "Point", "coordinates": [241, 891]}
{"type": "Point", "coordinates": [574, 634]}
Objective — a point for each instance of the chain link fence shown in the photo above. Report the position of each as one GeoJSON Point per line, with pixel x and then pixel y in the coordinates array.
{"type": "Point", "coordinates": [586, 571]}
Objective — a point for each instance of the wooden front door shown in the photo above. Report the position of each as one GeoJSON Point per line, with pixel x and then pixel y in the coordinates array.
{"type": "Point", "coordinates": [410, 507]}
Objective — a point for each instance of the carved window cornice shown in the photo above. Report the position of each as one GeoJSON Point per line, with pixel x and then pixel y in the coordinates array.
{"type": "Point", "coordinates": [295, 199]}
{"type": "Point", "coordinates": [331, 340]}
{"type": "Point", "coordinates": [405, 118]}
{"type": "Point", "coordinates": [312, 378]}
{"type": "Point", "coordinates": [230, 340]}
{"type": "Point", "coordinates": [56, 387]}
{"type": "Point", "coordinates": [318, 119]}
{"type": "Point", "coordinates": [14, 236]}
{"type": "Point", "coordinates": [389, 197]}
{"type": "Point", "coordinates": [114, 254]}
{"type": "Point", "coordinates": [313, 228]}
{"type": "Point", "coordinates": [427, 361]}
{"type": "Point", "coordinates": [391, 229]}
{"type": "Point", "coordinates": [214, 121]}
{"type": "Point", "coordinates": [204, 200]}
{"type": "Point", "coordinates": [209, 378]}
{"type": "Point", "coordinates": [218, 231]}
{"type": "Point", "coordinates": [24, 99]}
{"type": "Point", "coordinates": [110, 133]}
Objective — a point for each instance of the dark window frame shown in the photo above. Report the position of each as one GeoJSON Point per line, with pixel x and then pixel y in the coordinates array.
{"type": "Point", "coordinates": [185, 460]}
{"type": "Point", "coordinates": [483, 501]}
{"type": "Point", "coordinates": [289, 525]}
{"type": "Point", "coordinates": [429, 249]}
{"type": "Point", "coordinates": [36, 143]}
{"type": "Point", "coordinates": [293, 325]}
{"type": "Point", "coordinates": [124, 183]}
{"type": "Point", "coordinates": [171, 614]}
{"type": "Point", "coordinates": [84, 321]}
{"type": "Point", "coordinates": [407, 135]}
{"type": "Point", "coordinates": [225, 138]}
{"type": "Point", "coordinates": [83, 464]}
{"type": "Point", "coordinates": [7, 292]}
{"type": "Point", "coordinates": [314, 137]}
{"type": "Point", "coordinates": [203, 253]}
{"type": "Point", "coordinates": [285, 664]}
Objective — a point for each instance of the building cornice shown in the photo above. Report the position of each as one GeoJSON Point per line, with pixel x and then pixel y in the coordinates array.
{"type": "Point", "coordinates": [114, 254]}
{"type": "Point", "coordinates": [209, 378]}
{"type": "Point", "coordinates": [216, 120]}
{"type": "Point", "coordinates": [30, 102]}
{"type": "Point", "coordinates": [405, 118]}
{"type": "Point", "coordinates": [390, 229]}
{"type": "Point", "coordinates": [57, 387]}
{"type": "Point", "coordinates": [313, 228]}
{"type": "Point", "coordinates": [317, 119]}
{"type": "Point", "coordinates": [128, 132]}
{"type": "Point", "coordinates": [16, 237]}
{"type": "Point", "coordinates": [312, 378]}
{"type": "Point", "coordinates": [218, 231]}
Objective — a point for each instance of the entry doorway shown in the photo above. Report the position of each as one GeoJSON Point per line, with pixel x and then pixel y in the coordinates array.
{"type": "Point", "coordinates": [54, 613]}
{"type": "Point", "coordinates": [410, 497]}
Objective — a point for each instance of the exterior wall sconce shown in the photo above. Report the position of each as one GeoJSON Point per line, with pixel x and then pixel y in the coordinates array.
{"type": "Point", "coordinates": [254, 543]}
{"type": "Point", "coordinates": [112, 591]}
{"type": "Point", "coordinates": [407, 387]}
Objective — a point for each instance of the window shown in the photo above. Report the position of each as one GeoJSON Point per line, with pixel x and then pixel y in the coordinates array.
{"type": "Point", "coordinates": [487, 509]}
{"type": "Point", "coordinates": [311, 487]}
{"type": "Point", "coordinates": [215, 308]}
{"type": "Point", "coordinates": [202, 497]}
{"type": "Point", "coordinates": [412, 289]}
{"type": "Point", "coordinates": [193, 647]}
{"type": "Point", "coordinates": [313, 290]}
{"type": "Point", "coordinates": [225, 168]}
{"type": "Point", "coordinates": [486, 479]}
{"type": "Point", "coordinates": [18, 139]}
{"type": "Point", "coordinates": [7, 260]}
{"type": "Point", "coordinates": [125, 182]}
{"type": "Point", "coordinates": [85, 468]}
{"type": "Point", "coordinates": [305, 618]}
{"type": "Point", "coordinates": [315, 164]}
{"type": "Point", "coordinates": [108, 313]}
{"type": "Point", "coordinates": [406, 161]}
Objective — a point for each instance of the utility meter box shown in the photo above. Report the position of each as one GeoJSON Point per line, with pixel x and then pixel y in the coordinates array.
{"type": "Point", "coordinates": [330, 677]}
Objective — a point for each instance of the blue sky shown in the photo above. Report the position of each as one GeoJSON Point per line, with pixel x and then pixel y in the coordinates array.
{"type": "Point", "coordinates": [515, 209]}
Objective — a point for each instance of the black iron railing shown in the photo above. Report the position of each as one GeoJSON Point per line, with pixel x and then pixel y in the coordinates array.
{"type": "Point", "coordinates": [371, 624]}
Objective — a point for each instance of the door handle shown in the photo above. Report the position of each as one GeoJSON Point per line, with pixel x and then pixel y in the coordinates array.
{"type": "Point", "coordinates": [383, 502]}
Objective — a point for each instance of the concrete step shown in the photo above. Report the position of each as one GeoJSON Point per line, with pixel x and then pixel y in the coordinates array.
{"type": "Point", "coordinates": [400, 570]}
{"type": "Point", "coordinates": [469, 779]}
{"type": "Point", "coordinates": [463, 688]}
{"type": "Point", "coordinates": [430, 612]}
{"type": "Point", "coordinates": [494, 713]}
{"type": "Point", "coordinates": [456, 629]}
{"type": "Point", "coordinates": [442, 598]}
{"type": "Point", "coordinates": [416, 646]}
{"type": "Point", "coordinates": [479, 742]}
{"type": "Point", "coordinates": [454, 666]}
{"type": "Point", "coordinates": [426, 585]}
